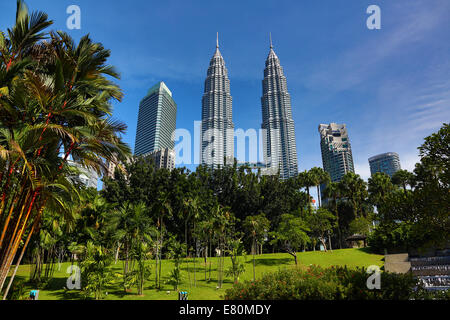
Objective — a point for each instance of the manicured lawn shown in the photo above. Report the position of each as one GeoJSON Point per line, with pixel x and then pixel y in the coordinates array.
{"type": "Point", "coordinates": [204, 290]}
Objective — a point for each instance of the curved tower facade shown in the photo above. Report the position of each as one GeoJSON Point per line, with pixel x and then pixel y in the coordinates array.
{"type": "Point", "coordinates": [280, 151]}
{"type": "Point", "coordinates": [217, 143]}
{"type": "Point", "coordinates": [336, 150]}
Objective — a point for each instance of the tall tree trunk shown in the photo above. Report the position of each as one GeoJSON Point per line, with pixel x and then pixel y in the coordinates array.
{"type": "Point", "coordinates": [19, 261]}
{"type": "Point", "coordinates": [160, 255]}
{"type": "Point", "coordinates": [309, 200]}
{"type": "Point", "coordinates": [324, 243]}
{"type": "Point", "coordinates": [195, 256]}
{"type": "Point", "coordinates": [254, 249]}
{"type": "Point", "coordinates": [117, 253]}
{"type": "Point", "coordinates": [329, 242]}
{"type": "Point", "coordinates": [206, 260]}
{"type": "Point", "coordinates": [156, 260]}
{"type": "Point", "coordinates": [187, 251]}
{"type": "Point", "coordinates": [127, 257]}
{"type": "Point", "coordinates": [15, 242]}
{"type": "Point", "coordinates": [338, 223]}
{"type": "Point", "coordinates": [318, 195]}
{"type": "Point", "coordinates": [210, 255]}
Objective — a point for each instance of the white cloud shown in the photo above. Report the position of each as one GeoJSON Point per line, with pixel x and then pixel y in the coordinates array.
{"type": "Point", "coordinates": [361, 62]}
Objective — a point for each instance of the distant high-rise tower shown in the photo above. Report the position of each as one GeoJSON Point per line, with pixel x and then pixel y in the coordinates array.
{"type": "Point", "coordinates": [388, 163]}
{"type": "Point", "coordinates": [337, 156]}
{"type": "Point", "coordinates": [217, 124]}
{"type": "Point", "coordinates": [156, 121]}
{"type": "Point", "coordinates": [280, 151]}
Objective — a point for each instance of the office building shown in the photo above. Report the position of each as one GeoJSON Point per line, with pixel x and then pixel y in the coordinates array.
{"type": "Point", "coordinates": [336, 151]}
{"type": "Point", "coordinates": [156, 120]}
{"type": "Point", "coordinates": [388, 163]}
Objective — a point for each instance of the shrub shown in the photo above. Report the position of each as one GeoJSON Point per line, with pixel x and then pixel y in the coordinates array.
{"type": "Point", "coordinates": [397, 237]}
{"type": "Point", "coordinates": [96, 273]}
{"type": "Point", "coordinates": [288, 284]}
{"type": "Point", "coordinates": [334, 283]}
{"type": "Point", "coordinates": [17, 290]}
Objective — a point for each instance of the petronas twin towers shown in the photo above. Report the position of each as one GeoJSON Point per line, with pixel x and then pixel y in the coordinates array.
{"type": "Point", "coordinates": [217, 146]}
{"type": "Point", "coordinates": [217, 123]}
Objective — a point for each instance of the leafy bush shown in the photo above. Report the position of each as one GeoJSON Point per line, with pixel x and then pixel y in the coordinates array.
{"type": "Point", "coordinates": [396, 237]}
{"type": "Point", "coordinates": [96, 272]}
{"type": "Point", "coordinates": [17, 290]}
{"type": "Point", "coordinates": [175, 277]}
{"type": "Point", "coordinates": [334, 283]}
{"type": "Point", "coordinates": [286, 285]}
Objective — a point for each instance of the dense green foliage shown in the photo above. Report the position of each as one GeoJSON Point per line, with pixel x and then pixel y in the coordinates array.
{"type": "Point", "coordinates": [418, 217]}
{"type": "Point", "coordinates": [334, 283]}
{"type": "Point", "coordinates": [55, 106]}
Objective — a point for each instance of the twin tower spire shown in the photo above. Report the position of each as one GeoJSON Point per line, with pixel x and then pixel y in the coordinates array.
{"type": "Point", "coordinates": [217, 142]}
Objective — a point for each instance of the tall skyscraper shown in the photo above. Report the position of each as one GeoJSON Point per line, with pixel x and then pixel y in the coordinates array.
{"type": "Point", "coordinates": [388, 163]}
{"type": "Point", "coordinates": [336, 151]}
{"type": "Point", "coordinates": [156, 121]}
{"type": "Point", "coordinates": [280, 151]}
{"type": "Point", "coordinates": [217, 123]}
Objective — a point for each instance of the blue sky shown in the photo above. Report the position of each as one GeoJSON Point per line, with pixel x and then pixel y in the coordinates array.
{"type": "Point", "coordinates": [390, 86]}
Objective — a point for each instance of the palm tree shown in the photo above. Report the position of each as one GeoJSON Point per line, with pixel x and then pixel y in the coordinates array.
{"type": "Point", "coordinates": [258, 227]}
{"type": "Point", "coordinates": [354, 189]}
{"type": "Point", "coordinates": [54, 96]}
{"type": "Point", "coordinates": [195, 209]}
{"type": "Point", "coordinates": [318, 177]}
{"type": "Point", "coordinates": [403, 178]}
{"type": "Point", "coordinates": [161, 208]}
{"type": "Point", "coordinates": [333, 191]}
{"type": "Point", "coordinates": [306, 180]}
{"type": "Point", "coordinates": [221, 217]}
{"type": "Point", "coordinates": [192, 212]}
{"type": "Point", "coordinates": [130, 226]}
{"type": "Point", "coordinates": [379, 187]}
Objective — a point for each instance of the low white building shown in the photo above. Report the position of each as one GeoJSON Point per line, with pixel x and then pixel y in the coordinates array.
{"type": "Point", "coordinates": [86, 177]}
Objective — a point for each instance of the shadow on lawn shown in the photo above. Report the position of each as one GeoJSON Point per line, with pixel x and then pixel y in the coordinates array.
{"type": "Point", "coordinates": [270, 261]}
{"type": "Point", "coordinates": [366, 250]}
{"type": "Point", "coordinates": [57, 287]}
{"type": "Point", "coordinates": [200, 269]}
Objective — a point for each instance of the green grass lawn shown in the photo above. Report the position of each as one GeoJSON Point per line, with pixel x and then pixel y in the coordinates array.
{"type": "Point", "coordinates": [204, 290]}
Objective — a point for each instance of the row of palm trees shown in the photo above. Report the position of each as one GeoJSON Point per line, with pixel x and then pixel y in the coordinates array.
{"type": "Point", "coordinates": [54, 106]}
{"type": "Point", "coordinates": [315, 177]}
{"type": "Point", "coordinates": [351, 188]}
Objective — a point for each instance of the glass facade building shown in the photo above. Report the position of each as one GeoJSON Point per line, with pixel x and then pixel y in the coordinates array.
{"type": "Point", "coordinates": [217, 128]}
{"type": "Point", "coordinates": [336, 151]}
{"type": "Point", "coordinates": [388, 163]}
{"type": "Point", "coordinates": [280, 150]}
{"type": "Point", "coordinates": [156, 120]}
